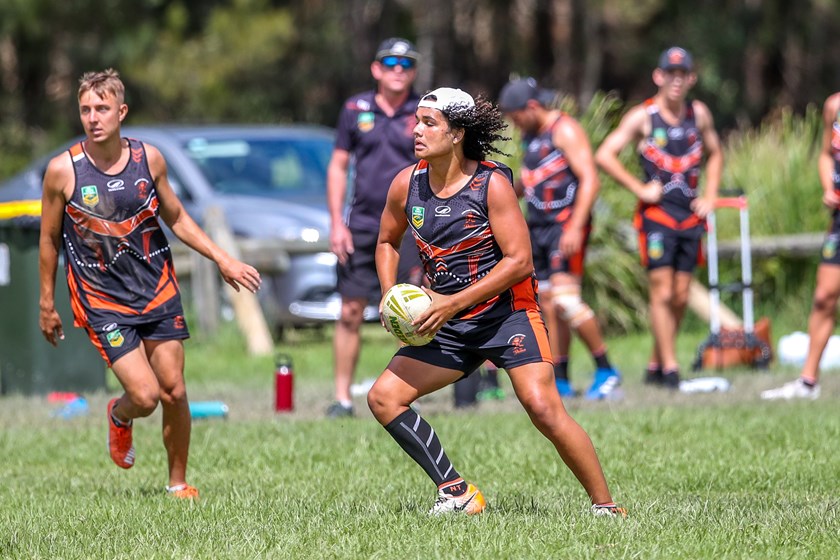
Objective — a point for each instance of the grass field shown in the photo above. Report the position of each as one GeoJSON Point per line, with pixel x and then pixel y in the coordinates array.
{"type": "Point", "coordinates": [703, 476]}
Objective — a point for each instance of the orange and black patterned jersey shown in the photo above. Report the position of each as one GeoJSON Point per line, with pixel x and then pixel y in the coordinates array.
{"type": "Point", "coordinates": [550, 185]}
{"type": "Point", "coordinates": [835, 150]}
{"type": "Point", "coordinates": [672, 155]}
{"type": "Point", "coordinates": [117, 257]}
{"type": "Point", "coordinates": [456, 244]}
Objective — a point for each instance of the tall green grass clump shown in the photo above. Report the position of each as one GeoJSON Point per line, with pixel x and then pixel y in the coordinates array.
{"type": "Point", "coordinates": [776, 165]}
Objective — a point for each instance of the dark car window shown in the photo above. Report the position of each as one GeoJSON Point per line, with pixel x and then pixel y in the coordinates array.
{"type": "Point", "coordinates": [264, 167]}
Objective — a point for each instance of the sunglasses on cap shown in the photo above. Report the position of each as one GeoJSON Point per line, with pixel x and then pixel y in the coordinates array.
{"type": "Point", "coordinates": [391, 62]}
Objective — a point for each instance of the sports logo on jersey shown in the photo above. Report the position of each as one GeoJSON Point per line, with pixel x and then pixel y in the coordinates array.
{"type": "Point", "coordinates": [656, 245]}
{"type": "Point", "coordinates": [676, 133]}
{"type": "Point", "coordinates": [660, 136]}
{"type": "Point", "coordinates": [90, 195]}
{"type": "Point", "coordinates": [115, 338]}
{"type": "Point", "coordinates": [142, 188]}
{"type": "Point", "coordinates": [829, 249]}
{"type": "Point", "coordinates": [365, 121]}
{"type": "Point", "coordinates": [418, 215]}
{"type": "Point", "coordinates": [470, 218]}
{"type": "Point", "coordinates": [517, 341]}
{"type": "Point", "coordinates": [116, 185]}
{"type": "Point", "coordinates": [178, 322]}
{"type": "Point", "coordinates": [442, 211]}
{"type": "Point", "coordinates": [691, 135]}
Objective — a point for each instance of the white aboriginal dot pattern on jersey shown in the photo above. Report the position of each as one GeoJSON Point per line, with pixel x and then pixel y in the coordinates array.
{"type": "Point", "coordinates": [118, 254]}
{"type": "Point", "coordinates": [458, 279]}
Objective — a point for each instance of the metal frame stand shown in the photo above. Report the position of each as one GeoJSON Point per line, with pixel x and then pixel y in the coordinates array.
{"type": "Point", "coordinates": [733, 199]}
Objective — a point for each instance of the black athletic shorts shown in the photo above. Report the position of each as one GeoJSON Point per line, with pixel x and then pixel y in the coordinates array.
{"type": "Point", "coordinates": [357, 278]}
{"type": "Point", "coordinates": [661, 246]}
{"type": "Point", "coordinates": [548, 259]}
{"type": "Point", "coordinates": [831, 243]}
{"type": "Point", "coordinates": [514, 340]}
{"type": "Point", "coordinates": [116, 339]}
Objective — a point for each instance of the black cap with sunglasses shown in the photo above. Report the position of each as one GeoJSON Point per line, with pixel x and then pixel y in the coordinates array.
{"type": "Point", "coordinates": [397, 48]}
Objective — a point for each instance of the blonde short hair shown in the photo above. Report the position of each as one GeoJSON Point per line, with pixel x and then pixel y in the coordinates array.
{"type": "Point", "coordinates": [101, 83]}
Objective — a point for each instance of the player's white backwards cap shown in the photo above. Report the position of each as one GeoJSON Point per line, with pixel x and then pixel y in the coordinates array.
{"type": "Point", "coordinates": [446, 98]}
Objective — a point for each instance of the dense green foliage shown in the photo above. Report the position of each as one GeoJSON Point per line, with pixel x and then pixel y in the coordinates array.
{"type": "Point", "coordinates": [295, 60]}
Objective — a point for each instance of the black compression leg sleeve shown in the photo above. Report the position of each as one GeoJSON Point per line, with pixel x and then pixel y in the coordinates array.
{"type": "Point", "coordinates": [419, 440]}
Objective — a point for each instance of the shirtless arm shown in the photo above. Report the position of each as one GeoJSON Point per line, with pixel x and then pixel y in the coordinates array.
{"type": "Point", "coordinates": [571, 139]}
{"type": "Point", "coordinates": [59, 181]}
{"type": "Point", "coordinates": [341, 241]}
{"type": "Point", "coordinates": [631, 129]}
{"type": "Point", "coordinates": [233, 272]}
{"type": "Point", "coordinates": [714, 160]}
{"type": "Point", "coordinates": [826, 159]}
{"type": "Point", "coordinates": [392, 228]}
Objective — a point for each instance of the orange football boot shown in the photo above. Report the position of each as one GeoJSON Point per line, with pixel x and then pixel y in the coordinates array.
{"type": "Point", "coordinates": [120, 443]}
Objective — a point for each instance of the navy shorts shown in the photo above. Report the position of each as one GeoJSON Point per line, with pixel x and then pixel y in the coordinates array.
{"type": "Point", "coordinates": [116, 339]}
{"type": "Point", "coordinates": [547, 257]}
{"type": "Point", "coordinates": [357, 278]}
{"type": "Point", "coordinates": [514, 340]}
{"type": "Point", "coordinates": [830, 253]}
{"type": "Point", "coordinates": [661, 246]}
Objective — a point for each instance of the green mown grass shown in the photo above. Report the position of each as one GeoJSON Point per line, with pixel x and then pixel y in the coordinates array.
{"type": "Point", "coordinates": [703, 476]}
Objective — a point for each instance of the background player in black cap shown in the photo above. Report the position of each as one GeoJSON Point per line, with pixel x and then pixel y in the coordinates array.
{"type": "Point", "coordinates": [374, 132]}
{"type": "Point", "coordinates": [559, 182]}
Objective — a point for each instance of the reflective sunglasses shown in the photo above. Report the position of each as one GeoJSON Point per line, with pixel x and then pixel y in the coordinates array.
{"type": "Point", "coordinates": [392, 62]}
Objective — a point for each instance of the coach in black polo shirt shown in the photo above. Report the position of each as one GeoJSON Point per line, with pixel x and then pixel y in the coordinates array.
{"type": "Point", "coordinates": [375, 132]}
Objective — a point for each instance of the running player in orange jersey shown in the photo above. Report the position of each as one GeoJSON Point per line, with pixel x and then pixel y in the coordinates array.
{"type": "Point", "coordinates": [827, 292]}
{"type": "Point", "coordinates": [672, 135]}
{"type": "Point", "coordinates": [101, 200]}
{"type": "Point", "coordinates": [465, 218]}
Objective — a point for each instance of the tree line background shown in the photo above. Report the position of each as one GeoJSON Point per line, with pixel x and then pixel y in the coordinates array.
{"type": "Point", "coordinates": [268, 61]}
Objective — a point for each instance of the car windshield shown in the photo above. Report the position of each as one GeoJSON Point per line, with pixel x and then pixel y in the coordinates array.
{"type": "Point", "coordinates": [275, 167]}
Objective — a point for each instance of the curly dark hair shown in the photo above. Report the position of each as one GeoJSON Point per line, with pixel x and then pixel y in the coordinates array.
{"type": "Point", "coordinates": [482, 124]}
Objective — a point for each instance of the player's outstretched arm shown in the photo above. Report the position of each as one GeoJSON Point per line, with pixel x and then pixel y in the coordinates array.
{"type": "Point", "coordinates": [234, 272]}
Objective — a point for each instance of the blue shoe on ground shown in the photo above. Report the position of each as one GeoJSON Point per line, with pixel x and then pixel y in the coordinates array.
{"type": "Point", "coordinates": [605, 383]}
{"type": "Point", "coordinates": [565, 388]}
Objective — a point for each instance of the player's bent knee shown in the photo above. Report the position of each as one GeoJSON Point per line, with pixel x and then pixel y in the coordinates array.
{"type": "Point", "coordinates": [145, 403]}
{"type": "Point", "coordinates": [379, 403]}
{"type": "Point", "coordinates": [825, 302]}
{"type": "Point", "coordinates": [174, 394]}
{"type": "Point", "coordinates": [537, 405]}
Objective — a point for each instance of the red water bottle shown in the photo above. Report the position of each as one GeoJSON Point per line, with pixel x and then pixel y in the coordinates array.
{"type": "Point", "coordinates": [284, 380]}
